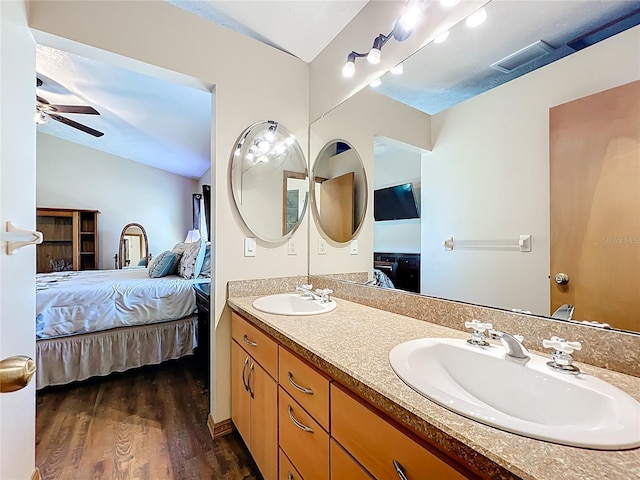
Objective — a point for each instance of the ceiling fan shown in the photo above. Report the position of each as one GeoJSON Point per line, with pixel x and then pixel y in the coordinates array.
{"type": "Point", "coordinates": [45, 110]}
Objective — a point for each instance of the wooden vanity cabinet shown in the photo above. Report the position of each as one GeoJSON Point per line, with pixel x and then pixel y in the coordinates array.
{"type": "Point", "coordinates": [254, 393]}
{"type": "Point", "coordinates": [379, 446]}
{"type": "Point", "coordinates": [299, 424]}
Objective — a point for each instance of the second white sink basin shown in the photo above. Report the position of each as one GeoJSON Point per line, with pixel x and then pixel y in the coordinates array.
{"type": "Point", "coordinates": [292, 304]}
{"type": "Point", "coordinates": [528, 399]}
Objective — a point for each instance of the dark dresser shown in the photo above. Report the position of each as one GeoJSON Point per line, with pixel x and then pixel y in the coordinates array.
{"type": "Point", "coordinates": [202, 351]}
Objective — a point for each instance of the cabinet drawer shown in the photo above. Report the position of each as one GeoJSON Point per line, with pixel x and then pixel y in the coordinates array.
{"type": "Point", "coordinates": [302, 439]}
{"type": "Point", "coordinates": [343, 466]}
{"type": "Point", "coordinates": [378, 445]}
{"type": "Point", "coordinates": [287, 470]}
{"type": "Point", "coordinates": [306, 385]}
{"type": "Point", "coordinates": [258, 344]}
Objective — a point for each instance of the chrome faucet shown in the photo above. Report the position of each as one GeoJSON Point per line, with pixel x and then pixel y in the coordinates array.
{"type": "Point", "coordinates": [512, 344]}
{"type": "Point", "coordinates": [307, 292]}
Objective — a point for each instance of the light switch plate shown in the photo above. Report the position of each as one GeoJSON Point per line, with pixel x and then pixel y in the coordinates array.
{"type": "Point", "coordinates": [322, 246]}
{"type": "Point", "coordinates": [249, 247]}
{"type": "Point", "coordinates": [292, 248]}
{"type": "Point", "coordinates": [354, 247]}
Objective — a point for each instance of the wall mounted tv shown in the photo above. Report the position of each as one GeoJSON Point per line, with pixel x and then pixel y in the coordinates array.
{"type": "Point", "coordinates": [395, 203]}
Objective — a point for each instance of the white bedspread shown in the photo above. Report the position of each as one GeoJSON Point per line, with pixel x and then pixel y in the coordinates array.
{"type": "Point", "coordinates": [69, 303]}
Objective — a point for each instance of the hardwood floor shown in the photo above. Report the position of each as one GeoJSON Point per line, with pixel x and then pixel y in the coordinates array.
{"type": "Point", "coordinates": [149, 424]}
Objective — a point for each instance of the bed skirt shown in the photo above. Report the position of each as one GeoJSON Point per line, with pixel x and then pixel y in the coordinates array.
{"type": "Point", "coordinates": [68, 359]}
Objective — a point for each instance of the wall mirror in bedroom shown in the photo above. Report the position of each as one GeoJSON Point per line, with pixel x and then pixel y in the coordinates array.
{"type": "Point", "coordinates": [133, 250]}
{"type": "Point", "coordinates": [269, 180]}
{"type": "Point", "coordinates": [339, 191]}
{"type": "Point", "coordinates": [495, 168]}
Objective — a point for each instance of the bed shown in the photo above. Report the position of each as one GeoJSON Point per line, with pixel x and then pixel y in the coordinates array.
{"type": "Point", "coordinates": [92, 323]}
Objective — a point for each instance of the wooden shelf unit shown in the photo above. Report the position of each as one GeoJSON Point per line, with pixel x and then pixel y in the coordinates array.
{"type": "Point", "coordinates": [70, 239]}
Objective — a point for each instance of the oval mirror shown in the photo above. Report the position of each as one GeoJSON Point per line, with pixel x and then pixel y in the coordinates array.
{"type": "Point", "coordinates": [133, 249]}
{"type": "Point", "coordinates": [339, 191]}
{"type": "Point", "coordinates": [269, 180]}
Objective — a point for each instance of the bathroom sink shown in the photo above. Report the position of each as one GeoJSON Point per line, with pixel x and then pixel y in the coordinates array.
{"type": "Point", "coordinates": [524, 398]}
{"type": "Point", "coordinates": [292, 304]}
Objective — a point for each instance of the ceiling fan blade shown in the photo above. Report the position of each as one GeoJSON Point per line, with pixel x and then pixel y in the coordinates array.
{"type": "Point", "coordinates": [77, 125]}
{"type": "Point", "coordinates": [42, 100]}
{"type": "Point", "coordinates": [74, 109]}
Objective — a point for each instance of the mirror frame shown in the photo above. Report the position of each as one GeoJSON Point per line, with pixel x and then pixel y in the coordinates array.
{"type": "Point", "coordinates": [312, 193]}
{"type": "Point", "coordinates": [121, 244]}
{"type": "Point", "coordinates": [287, 173]}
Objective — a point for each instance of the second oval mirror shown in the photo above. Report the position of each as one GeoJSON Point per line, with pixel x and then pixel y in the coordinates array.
{"type": "Point", "coordinates": [339, 191]}
{"type": "Point", "coordinates": [269, 181]}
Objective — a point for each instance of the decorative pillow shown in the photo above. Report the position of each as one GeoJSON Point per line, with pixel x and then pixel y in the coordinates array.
{"type": "Point", "coordinates": [205, 271]}
{"type": "Point", "coordinates": [163, 264]}
{"type": "Point", "coordinates": [179, 248]}
{"type": "Point", "coordinates": [191, 261]}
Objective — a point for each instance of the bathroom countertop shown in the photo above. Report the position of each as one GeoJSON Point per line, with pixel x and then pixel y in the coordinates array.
{"type": "Point", "coordinates": [352, 344]}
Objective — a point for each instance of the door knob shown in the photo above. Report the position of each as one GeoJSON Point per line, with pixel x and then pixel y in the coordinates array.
{"type": "Point", "coordinates": [561, 278]}
{"type": "Point", "coordinates": [16, 373]}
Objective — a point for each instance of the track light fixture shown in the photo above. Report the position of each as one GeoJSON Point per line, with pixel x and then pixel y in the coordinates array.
{"type": "Point", "coordinates": [402, 28]}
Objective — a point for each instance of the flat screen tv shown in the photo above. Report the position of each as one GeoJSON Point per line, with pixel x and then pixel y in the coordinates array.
{"type": "Point", "coordinates": [395, 203]}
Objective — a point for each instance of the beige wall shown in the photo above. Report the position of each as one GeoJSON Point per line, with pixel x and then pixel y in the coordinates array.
{"type": "Point", "coordinates": [127, 192]}
{"type": "Point", "coordinates": [163, 35]}
{"type": "Point", "coordinates": [488, 177]}
{"type": "Point", "coordinates": [357, 121]}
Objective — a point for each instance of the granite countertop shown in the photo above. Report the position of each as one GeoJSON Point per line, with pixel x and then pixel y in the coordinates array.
{"type": "Point", "coordinates": [352, 345]}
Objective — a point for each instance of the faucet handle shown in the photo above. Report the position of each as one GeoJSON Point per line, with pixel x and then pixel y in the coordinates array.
{"type": "Point", "coordinates": [324, 294]}
{"type": "Point", "coordinates": [478, 326]}
{"type": "Point", "coordinates": [561, 345]}
{"type": "Point", "coordinates": [307, 286]}
{"type": "Point", "coordinates": [477, 336]}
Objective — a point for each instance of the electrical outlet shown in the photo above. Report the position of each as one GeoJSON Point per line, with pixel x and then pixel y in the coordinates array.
{"type": "Point", "coordinates": [249, 247]}
{"type": "Point", "coordinates": [354, 247]}
{"type": "Point", "coordinates": [322, 246]}
{"type": "Point", "coordinates": [292, 248]}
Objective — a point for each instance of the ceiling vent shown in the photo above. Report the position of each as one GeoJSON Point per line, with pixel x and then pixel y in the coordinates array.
{"type": "Point", "coordinates": [522, 57]}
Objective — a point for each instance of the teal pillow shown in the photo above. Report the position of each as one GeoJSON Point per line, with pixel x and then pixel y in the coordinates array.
{"type": "Point", "coordinates": [205, 271]}
{"type": "Point", "coordinates": [163, 264]}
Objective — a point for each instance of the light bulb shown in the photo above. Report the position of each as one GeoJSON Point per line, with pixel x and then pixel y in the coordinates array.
{"type": "Point", "coordinates": [263, 146]}
{"type": "Point", "coordinates": [376, 83]}
{"type": "Point", "coordinates": [398, 69]}
{"type": "Point", "coordinates": [476, 18]}
{"type": "Point", "coordinates": [374, 56]}
{"type": "Point", "coordinates": [269, 136]}
{"type": "Point", "coordinates": [410, 17]}
{"type": "Point", "coordinates": [349, 68]}
{"type": "Point", "coordinates": [441, 37]}
{"type": "Point", "coordinates": [280, 149]}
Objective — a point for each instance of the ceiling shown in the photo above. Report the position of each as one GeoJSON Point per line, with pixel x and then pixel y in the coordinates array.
{"type": "Point", "coordinates": [168, 125]}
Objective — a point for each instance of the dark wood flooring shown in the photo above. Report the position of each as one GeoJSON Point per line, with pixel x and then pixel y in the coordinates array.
{"type": "Point", "coordinates": [148, 424]}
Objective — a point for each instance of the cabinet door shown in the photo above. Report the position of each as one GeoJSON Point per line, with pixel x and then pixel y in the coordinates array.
{"type": "Point", "coordinates": [343, 466]}
{"type": "Point", "coordinates": [240, 399]}
{"type": "Point", "coordinates": [264, 420]}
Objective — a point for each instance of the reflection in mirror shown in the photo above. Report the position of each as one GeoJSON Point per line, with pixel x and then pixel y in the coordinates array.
{"type": "Point", "coordinates": [269, 181]}
{"type": "Point", "coordinates": [487, 177]}
{"type": "Point", "coordinates": [133, 250]}
{"type": "Point", "coordinates": [339, 191]}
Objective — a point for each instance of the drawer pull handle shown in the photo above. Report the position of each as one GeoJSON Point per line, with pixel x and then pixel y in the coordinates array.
{"type": "Point", "coordinates": [297, 423]}
{"type": "Point", "coordinates": [249, 379]}
{"type": "Point", "coordinates": [244, 369]}
{"type": "Point", "coordinates": [300, 388]}
{"type": "Point", "coordinates": [249, 342]}
{"type": "Point", "coordinates": [399, 470]}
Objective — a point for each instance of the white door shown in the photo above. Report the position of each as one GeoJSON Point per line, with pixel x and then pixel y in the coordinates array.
{"type": "Point", "coordinates": [17, 204]}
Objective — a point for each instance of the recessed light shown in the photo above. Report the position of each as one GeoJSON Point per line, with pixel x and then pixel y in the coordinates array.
{"type": "Point", "coordinates": [476, 18]}
{"type": "Point", "coordinates": [441, 37]}
{"type": "Point", "coordinates": [376, 83]}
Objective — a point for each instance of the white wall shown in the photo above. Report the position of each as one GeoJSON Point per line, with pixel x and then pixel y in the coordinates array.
{"type": "Point", "coordinates": [17, 204]}
{"type": "Point", "coordinates": [160, 34]}
{"type": "Point", "coordinates": [487, 177]}
{"type": "Point", "coordinates": [396, 166]}
{"type": "Point", "coordinates": [70, 175]}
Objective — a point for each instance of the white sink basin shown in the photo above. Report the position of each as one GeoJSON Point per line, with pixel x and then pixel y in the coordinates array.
{"type": "Point", "coordinates": [292, 304]}
{"type": "Point", "coordinates": [528, 399]}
